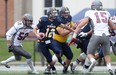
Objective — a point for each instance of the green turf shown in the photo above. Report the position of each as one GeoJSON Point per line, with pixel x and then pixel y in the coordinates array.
{"type": "Point", "coordinates": [29, 46]}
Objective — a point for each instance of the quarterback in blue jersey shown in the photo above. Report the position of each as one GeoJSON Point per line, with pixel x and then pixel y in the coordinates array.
{"type": "Point", "coordinates": [46, 27]}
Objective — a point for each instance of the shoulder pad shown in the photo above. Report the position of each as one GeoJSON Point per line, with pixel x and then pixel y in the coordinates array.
{"type": "Point", "coordinates": [44, 19]}
{"type": "Point", "coordinates": [59, 19]}
{"type": "Point", "coordinates": [70, 18]}
{"type": "Point", "coordinates": [18, 24]}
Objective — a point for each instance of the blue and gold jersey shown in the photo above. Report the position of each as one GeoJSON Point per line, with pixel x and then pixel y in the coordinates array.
{"type": "Point", "coordinates": [57, 36]}
{"type": "Point", "coordinates": [48, 27]}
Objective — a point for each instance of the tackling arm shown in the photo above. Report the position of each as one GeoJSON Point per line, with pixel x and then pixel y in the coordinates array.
{"type": "Point", "coordinates": [66, 27]}
{"type": "Point", "coordinates": [81, 24]}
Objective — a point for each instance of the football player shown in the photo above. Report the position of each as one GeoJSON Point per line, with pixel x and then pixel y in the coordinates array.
{"type": "Point", "coordinates": [60, 38]}
{"type": "Point", "coordinates": [14, 36]}
{"type": "Point", "coordinates": [46, 26]}
{"type": "Point", "coordinates": [100, 36]}
{"type": "Point", "coordinates": [113, 35]}
{"type": "Point", "coordinates": [82, 43]}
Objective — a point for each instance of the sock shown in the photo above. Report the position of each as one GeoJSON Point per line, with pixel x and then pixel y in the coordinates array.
{"type": "Point", "coordinates": [92, 59]}
{"type": "Point", "coordinates": [78, 61]}
{"type": "Point", "coordinates": [10, 59]}
{"type": "Point", "coordinates": [53, 67]}
{"type": "Point", "coordinates": [87, 63]}
{"type": "Point", "coordinates": [30, 63]}
{"type": "Point", "coordinates": [109, 66]}
{"type": "Point", "coordinates": [60, 60]}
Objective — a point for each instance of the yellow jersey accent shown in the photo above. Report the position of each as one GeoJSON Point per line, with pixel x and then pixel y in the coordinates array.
{"type": "Point", "coordinates": [60, 38]}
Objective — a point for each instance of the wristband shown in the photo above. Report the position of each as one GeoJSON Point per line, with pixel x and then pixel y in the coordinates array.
{"type": "Point", "coordinates": [74, 35]}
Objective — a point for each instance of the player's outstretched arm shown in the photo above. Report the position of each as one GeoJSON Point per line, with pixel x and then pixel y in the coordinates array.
{"type": "Point", "coordinates": [81, 24]}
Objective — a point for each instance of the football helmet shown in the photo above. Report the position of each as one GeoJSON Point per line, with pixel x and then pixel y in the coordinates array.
{"type": "Point", "coordinates": [96, 5]}
{"type": "Point", "coordinates": [52, 13]}
{"type": "Point", "coordinates": [27, 19]}
{"type": "Point", "coordinates": [64, 12]}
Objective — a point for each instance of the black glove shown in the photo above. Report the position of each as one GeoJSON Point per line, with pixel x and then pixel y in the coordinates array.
{"type": "Point", "coordinates": [10, 48]}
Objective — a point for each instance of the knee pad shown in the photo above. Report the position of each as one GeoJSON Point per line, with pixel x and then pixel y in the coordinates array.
{"type": "Point", "coordinates": [54, 58]}
{"type": "Point", "coordinates": [83, 55]}
{"type": "Point", "coordinates": [28, 56]}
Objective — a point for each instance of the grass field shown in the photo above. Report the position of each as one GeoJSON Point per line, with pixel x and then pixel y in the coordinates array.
{"type": "Point", "coordinates": [29, 46]}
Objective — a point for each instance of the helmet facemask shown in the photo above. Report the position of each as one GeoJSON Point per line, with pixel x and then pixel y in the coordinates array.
{"type": "Point", "coordinates": [96, 5]}
{"type": "Point", "coordinates": [27, 19]}
{"type": "Point", "coordinates": [65, 12]}
{"type": "Point", "coordinates": [52, 13]}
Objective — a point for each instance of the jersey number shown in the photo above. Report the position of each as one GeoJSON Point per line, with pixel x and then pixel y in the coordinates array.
{"type": "Point", "coordinates": [101, 17]}
{"type": "Point", "coordinates": [50, 32]}
{"type": "Point", "coordinates": [22, 36]}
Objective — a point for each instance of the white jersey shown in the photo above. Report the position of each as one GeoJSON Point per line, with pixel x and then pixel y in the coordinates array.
{"type": "Point", "coordinates": [18, 32]}
{"type": "Point", "coordinates": [113, 38]}
{"type": "Point", "coordinates": [100, 21]}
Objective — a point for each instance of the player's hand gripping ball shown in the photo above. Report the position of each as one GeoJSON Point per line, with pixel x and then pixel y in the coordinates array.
{"type": "Point", "coordinates": [41, 35]}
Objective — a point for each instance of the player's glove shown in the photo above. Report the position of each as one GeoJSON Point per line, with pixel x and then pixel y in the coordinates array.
{"type": "Point", "coordinates": [10, 48]}
{"type": "Point", "coordinates": [82, 34]}
{"type": "Point", "coordinates": [73, 40]}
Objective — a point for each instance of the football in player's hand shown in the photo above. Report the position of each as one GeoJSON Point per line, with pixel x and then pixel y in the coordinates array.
{"type": "Point", "coordinates": [42, 35]}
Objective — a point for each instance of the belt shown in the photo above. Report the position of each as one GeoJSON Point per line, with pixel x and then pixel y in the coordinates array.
{"type": "Point", "coordinates": [40, 41]}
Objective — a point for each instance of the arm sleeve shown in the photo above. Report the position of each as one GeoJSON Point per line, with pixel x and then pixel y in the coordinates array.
{"type": "Point", "coordinates": [11, 32]}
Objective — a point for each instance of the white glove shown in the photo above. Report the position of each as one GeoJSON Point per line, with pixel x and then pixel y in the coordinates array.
{"type": "Point", "coordinates": [82, 34]}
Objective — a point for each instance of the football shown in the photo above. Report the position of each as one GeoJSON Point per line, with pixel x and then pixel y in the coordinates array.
{"type": "Point", "coordinates": [42, 35]}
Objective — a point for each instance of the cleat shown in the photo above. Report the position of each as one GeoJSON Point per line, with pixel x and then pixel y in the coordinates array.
{"type": "Point", "coordinates": [65, 70]}
{"type": "Point", "coordinates": [72, 68]}
{"type": "Point", "coordinates": [85, 70]}
{"type": "Point", "coordinates": [111, 72]}
{"type": "Point", "coordinates": [33, 72]}
{"type": "Point", "coordinates": [54, 70]}
{"type": "Point", "coordinates": [115, 71]}
{"type": "Point", "coordinates": [91, 66]}
{"type": "Point", "coordinates": [5, 64]}
{"type": "Point", "coordinates": [48, 70]}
